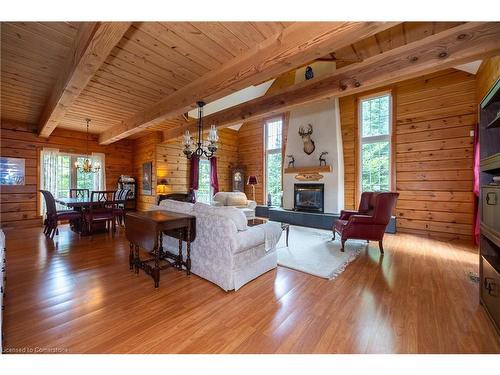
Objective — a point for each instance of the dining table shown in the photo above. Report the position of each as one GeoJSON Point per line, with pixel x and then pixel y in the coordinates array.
{"type": "Point", "coordinates": [83, 204]}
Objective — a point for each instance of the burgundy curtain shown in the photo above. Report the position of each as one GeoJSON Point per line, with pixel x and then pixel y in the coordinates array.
{"type": "Point", "coordinates": [214, 181]}
{"type": "Point", "coordinates": [476, 230]}
{"type": "Point", "coordinates": [193, 173]}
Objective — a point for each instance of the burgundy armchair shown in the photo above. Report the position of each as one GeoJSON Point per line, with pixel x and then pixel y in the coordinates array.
{"type": "Point", "coordinates": [369, 222]}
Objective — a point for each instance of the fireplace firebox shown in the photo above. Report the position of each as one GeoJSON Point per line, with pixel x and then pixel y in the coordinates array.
{"type": "Point", "coordinates": [309, 197]}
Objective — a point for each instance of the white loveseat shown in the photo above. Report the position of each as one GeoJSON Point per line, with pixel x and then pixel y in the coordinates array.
{"type": "Point", "coordinates": [235, 199]}
{"type": "Point", "coordinates": [226, 251]}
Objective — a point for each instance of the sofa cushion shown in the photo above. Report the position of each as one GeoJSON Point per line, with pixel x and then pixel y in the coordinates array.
{"type": "Point", "coordinates": [234, 214]}
{"type": "Point", "coordinates": [220, 198]}
{"type": "Point", "coordinates": [236, 199]}
{"type": "Point", "coordinates": [230, 198]}
{"type": "Point", "coordinates": [176, 206]}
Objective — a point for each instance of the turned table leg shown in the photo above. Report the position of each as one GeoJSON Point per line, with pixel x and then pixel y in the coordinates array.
{"type": "Point", "coordinates": [131, 257]}
{"type": "Point", "coordinates": [188, 250]}
{"type": "Point", "coordinates": [179, 257]}
{"type": "Point", "coordinates": [137, 260]}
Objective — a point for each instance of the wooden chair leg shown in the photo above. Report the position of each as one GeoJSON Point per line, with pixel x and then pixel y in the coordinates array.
{"type": "Point", "coordinates": [342, 247]}
{"type": "Point", "coordinates": [380, 247]}
{"type": "Point", "coordinates": [54, 228]}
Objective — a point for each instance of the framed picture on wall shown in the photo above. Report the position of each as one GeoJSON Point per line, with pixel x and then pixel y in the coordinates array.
{"type": "Point", "coordinates": [12, 171]}
{"type": "Point", "coordinates": [147, 178]}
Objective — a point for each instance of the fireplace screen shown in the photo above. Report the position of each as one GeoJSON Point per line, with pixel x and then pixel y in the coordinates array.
{"type": "Point", "coordinates": [309, 197]}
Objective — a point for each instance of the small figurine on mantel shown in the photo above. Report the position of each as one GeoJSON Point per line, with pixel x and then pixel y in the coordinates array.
{"type": "Point", "coordinates": [322, 160]}
{"type": "Point", "coordinates": [291, 162]}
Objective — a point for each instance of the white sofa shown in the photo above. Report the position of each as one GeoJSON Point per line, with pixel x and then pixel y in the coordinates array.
{"type": "Point", "coordinates": [235, 199]}
{"type": "Point", "coordinates": [226, 251]}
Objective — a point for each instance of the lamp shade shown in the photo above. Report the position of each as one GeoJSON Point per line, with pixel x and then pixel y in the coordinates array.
{"type": "Point", "coordinates": [252, 180]}
{"type": "Point", "coordinates": [162, 186]}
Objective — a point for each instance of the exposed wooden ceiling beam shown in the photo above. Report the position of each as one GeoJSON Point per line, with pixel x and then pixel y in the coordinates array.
{"type": "Point", "coordinates": [294, 46]}
{"type": "Point", "coordinates": [461, 44]}
{"type": "Point", "coordinates": [94, 42]}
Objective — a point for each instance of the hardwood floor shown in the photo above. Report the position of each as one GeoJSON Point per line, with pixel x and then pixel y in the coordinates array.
{"type": "Point", "coordinates": [77, 295]}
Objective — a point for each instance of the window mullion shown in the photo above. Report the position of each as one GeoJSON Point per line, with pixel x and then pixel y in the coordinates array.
{"type": "Point", "coordinates": [73, 172]}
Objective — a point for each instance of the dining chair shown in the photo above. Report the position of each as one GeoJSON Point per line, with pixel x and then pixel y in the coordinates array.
{"type": "Point", "coordinates": [53, 216]}
{"type": "Point", "coordinates": [78, 193]}
{"type": "Point", "coordinates": [102, 210]}
{"type": "Point", "coordinates": [121, 197]}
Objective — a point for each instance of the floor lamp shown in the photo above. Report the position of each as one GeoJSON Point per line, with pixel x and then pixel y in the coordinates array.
{"type": "Point", "coordinates": [252, 180]}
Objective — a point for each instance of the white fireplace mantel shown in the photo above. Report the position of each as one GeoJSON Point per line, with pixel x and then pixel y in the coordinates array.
{"type": "Point", "coordinates": [327, 136]}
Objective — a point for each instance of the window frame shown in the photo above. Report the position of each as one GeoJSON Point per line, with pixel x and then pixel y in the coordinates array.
{"type": "Point", "coordinates": [210, 188]}
{"type": "Point", "coordinates": [273, 151]}
{"type": "Point", "coordinates": [375, 139]}
{"type": "Point", "coordinates": [73, 174]}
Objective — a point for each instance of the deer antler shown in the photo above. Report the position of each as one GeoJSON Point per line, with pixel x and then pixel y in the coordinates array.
{"type": "Point", "coordinates": [303, 132]}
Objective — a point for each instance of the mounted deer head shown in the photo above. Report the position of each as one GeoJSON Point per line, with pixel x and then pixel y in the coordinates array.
{"type": "Point", "coordinates": [305, 133]}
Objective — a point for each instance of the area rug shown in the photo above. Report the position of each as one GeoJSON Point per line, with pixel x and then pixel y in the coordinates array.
{"type": "Point", "coordinates": [313, 251]}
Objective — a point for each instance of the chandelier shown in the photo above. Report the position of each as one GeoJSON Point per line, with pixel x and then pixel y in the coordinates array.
{"type": "Point", "coordinates": [87, 166]}
{"type": "Point", "coordinates": [207, 148]}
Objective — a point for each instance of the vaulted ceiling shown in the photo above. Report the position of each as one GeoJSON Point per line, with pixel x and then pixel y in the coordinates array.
{"type": "Point", "coordinates": [146, 74]}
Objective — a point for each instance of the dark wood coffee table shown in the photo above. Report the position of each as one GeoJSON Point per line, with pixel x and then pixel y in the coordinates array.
{"type": "Point", "coordinates": [259, 220]}
{"type": "Point", "coordinates": [144, 230]}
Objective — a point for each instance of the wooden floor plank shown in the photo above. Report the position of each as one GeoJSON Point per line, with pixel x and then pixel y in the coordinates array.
{"type": "Point", "coordinates": [78, 294]}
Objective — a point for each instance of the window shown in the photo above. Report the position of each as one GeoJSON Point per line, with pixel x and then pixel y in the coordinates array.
{"type": "Point", "coordinates": [68, 177]}
{"type": "Point", "coordinates": [58, 173]}
{"type": "Point", "coordinates": [375, 143]}
{"type": "Point", "coordinates": [273, 142]}
{"type": "Point", "coordinates": [61, 175]}
{"type": "Point", "coordinates": [204, 192]}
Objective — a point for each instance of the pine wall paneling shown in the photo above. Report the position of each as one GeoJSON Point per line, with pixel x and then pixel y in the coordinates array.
{"type": "Point", "coordinates": [488, 73]}
{"type": "Point", "coordinates": [251, 153]}
{"type": "Point", "coordinates": [144, 150]}
{"type": "Point", "coordinates": [434, 116]}
{"type": "Point", "coordinates": [169, 162]}
{"type": "Point", "coordinates": [251, 156]}
{"type": "Point", "coordinates": [19, 204]}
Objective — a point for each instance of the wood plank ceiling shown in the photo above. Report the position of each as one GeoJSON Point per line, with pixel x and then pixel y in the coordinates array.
{"type": "Point", "coordinates": [152, 60]}
{"type": "Point", "coordinates": [32, 54]}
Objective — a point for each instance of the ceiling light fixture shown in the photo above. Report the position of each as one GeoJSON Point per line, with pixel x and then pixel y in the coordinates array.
{"type": "Point", "coordinates": [87, 166]}
{"type": "Point", "coordinates": [203, 148]}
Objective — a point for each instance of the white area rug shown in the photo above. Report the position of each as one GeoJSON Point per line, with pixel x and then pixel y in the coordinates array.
{"type": "Point", "coordinates": [313, 251]}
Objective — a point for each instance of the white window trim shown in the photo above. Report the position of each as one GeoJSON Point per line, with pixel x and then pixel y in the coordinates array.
{"type": "Point", "coordinates": [271, 151]}
{"type": "Point", "coordinates": [211, 189]}
{"type": "Point", "coordinates": [374, 139]}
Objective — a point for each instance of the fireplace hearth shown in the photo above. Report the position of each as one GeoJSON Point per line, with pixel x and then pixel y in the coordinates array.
{"type": "Point", "coordinates": [309, 197]}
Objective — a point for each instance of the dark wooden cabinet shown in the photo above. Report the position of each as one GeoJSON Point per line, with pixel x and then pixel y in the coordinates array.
{"type": "Point", "coordinates": [489, 203]}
